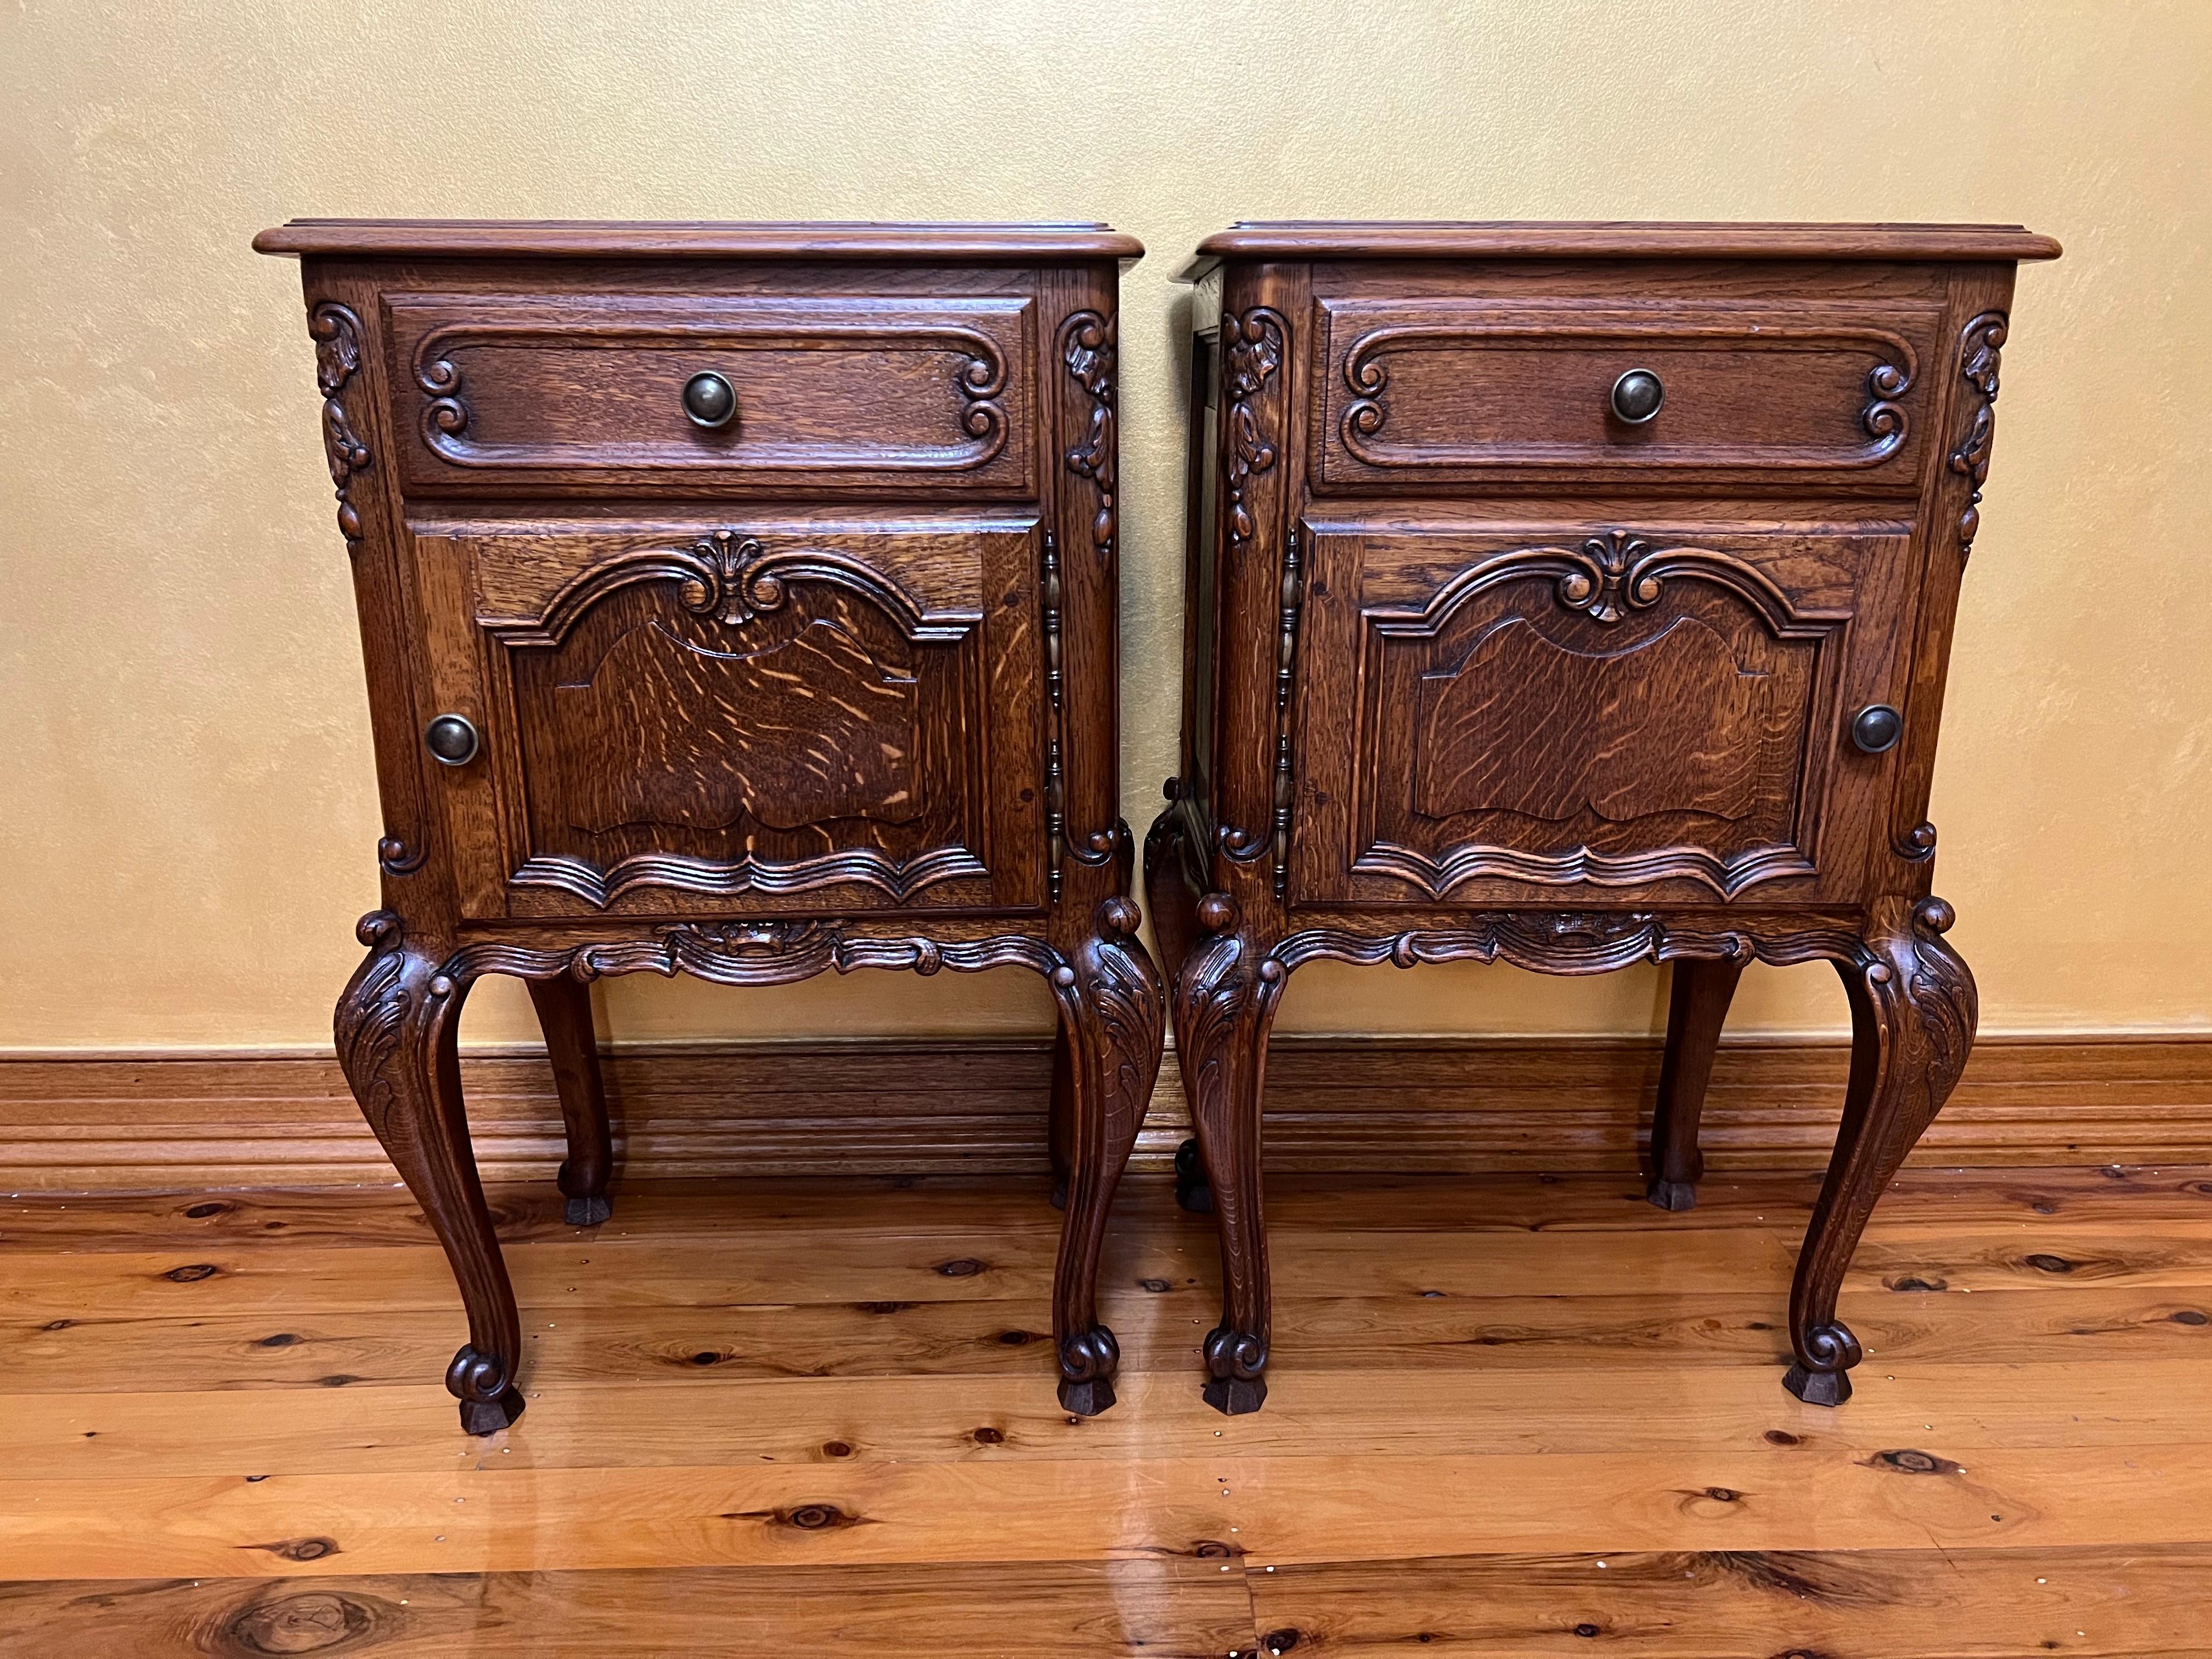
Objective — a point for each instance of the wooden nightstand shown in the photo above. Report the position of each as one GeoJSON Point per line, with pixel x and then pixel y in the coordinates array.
{"type": "Point", "coordinates": [737, 600]}
{"type": "Point", "coordinates": [1576, 596]}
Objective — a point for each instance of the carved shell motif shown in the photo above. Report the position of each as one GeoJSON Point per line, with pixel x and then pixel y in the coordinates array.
{"type": "Point", "coordinates": [1607, 575]}
{"type": "Point", "coordinates": [724, 557]}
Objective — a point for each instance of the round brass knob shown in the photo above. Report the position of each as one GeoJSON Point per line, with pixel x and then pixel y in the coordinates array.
{"type": "Point", "coordinates": [1638, 396]}
{"type": "Point", "coordinates": [451, 739]}
{"type": "Point", "coordinates": [1876, 728]}
{"type": "Point", "coordinates": [710, 401]}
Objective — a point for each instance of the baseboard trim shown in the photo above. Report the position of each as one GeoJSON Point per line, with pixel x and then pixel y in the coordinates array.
{"type": "Point", "coordinates": [187, 1120]}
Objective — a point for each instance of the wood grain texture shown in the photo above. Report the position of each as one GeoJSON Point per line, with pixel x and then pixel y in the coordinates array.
{"type": "Point", "coordinates": [997, 1610]}
{"type": "Point", "coordinates": [2025, 1471]}
{"type": "Point", "coordinates": [156, 1122]}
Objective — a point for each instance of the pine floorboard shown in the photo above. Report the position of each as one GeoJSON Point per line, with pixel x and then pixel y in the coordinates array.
{"type": "Point", "coordinates": [1510, 1414]}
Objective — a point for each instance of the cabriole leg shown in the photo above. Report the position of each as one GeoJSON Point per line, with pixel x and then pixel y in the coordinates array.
{"type": "Point", "coordinates": [1225, 1005]}
{"type": "Point", "coordinates": [396, 1027]}
{"type": "Point", "coordinates": [1112, 1014]}
{"type": "Point", "coordinates": [1698, 1002]}
{"type": "Point", "coordinates": [564, 1013]}
{"type": "Point", "coordinates": [1913, 1011]}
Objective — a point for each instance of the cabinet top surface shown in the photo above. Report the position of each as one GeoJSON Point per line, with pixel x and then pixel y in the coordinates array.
{"type": "Point", "coordinates": [617, 239]}
{"type": "Point", "coordinates": [1321, 239]}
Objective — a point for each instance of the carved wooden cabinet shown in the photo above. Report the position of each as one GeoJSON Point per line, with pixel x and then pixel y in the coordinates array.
{"type": "Point", "coordinates": [736, 601]}
{"type": "Point", "coordinates": [1576, 596]}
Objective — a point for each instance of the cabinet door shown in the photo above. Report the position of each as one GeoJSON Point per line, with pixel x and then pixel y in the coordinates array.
{"type": "Point", "coordinates": [798, 716]}
{"type": "Point", "coordinates": [1491, 715]}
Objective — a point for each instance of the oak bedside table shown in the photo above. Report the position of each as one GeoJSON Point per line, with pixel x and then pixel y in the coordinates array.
{"type": "Point", "coordinates": [737, 600]}
{"type": "Point", "coordinates": [1576, 596]}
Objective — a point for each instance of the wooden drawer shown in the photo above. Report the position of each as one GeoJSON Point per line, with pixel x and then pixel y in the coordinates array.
{"type": "Point", "coordinates": [920, 394]}
{"type": "Point", "coordinates": [1418, 391]}
{"type": "Point", "coordinates": [758, 714]}
{"type": "Point", "coordinates": [1489, 714]}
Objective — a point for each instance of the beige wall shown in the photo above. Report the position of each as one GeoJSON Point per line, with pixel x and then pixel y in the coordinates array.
{"type": "Point", "coordinates": [186, 810]}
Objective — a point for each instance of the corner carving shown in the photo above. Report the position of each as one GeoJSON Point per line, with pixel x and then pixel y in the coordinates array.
{"type": "Point", "coordinates": [396, 858]}
{"type": "Point", "coordinates": [1252, 351]}
{"type": "Point", "coordinates": [1917, 844]}
{"type": "Point", "coordinates": [1981, 349]}
{"type": "Point", "coordinates": [1087, 347]}
{"type": "Point", "coordinates": [337, 334]}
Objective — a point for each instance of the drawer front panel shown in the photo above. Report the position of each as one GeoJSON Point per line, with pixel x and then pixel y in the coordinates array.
{"type": "Point", "coordinates": [786, 716]}
{"type": "Point", "coordinates": [1515, 713]}
{"type": "Point", "coordinates": [1417, 392]}
{"type": "Point", "coordinates": [842, 393]}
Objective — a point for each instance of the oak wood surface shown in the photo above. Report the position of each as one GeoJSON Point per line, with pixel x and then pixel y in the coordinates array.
{"type": "Point", "coordinates": [679, 238]}
{"type": "Point", "coordinates": [844, 1474]}
{"type": "Point", "coordinates": [1295, 239]}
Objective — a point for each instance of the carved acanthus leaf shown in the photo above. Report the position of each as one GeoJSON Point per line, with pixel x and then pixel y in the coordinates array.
{"type": "Point", "coordinates": [1114, 976]}
{"type": "Point", "coordinates": [337, 333]}
{"type": "Point", "coordinates": [371, 1016]}
{"type": "Point", "coordinates": [1087, 346]}
{"type": "Point", "coordinates": [1252, 346]}
{"type": "Point", "coordinates": [1981, 349]}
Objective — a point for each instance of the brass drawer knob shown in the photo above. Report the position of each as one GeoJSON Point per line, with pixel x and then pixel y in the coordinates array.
{"type": "Point", "coordinates": [1876, 728]}
{"type": "Point", "coordinates": [710, 401]}
{"type": "Point", "coordinates": [1638, 396]}
{"type": "Point", "coordinates": [451, 739]}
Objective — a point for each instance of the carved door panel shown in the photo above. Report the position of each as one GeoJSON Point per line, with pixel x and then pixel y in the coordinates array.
{"type": "Point", "coordinates": [796, 716]}
{"type": "Point", "coordinates": [1489, 717]}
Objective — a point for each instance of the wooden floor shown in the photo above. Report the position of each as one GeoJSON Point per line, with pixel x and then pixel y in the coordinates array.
{"type": "Point", "coordinates": [1511, 1415]}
